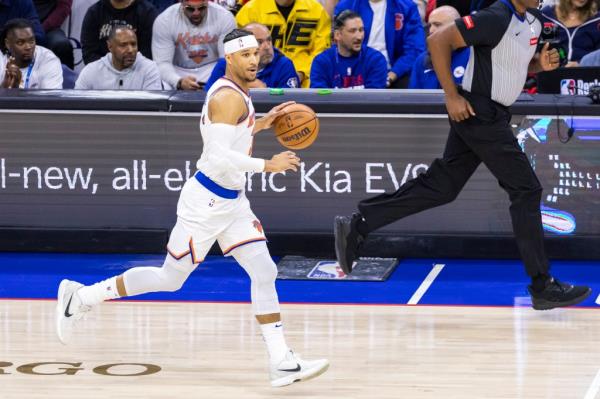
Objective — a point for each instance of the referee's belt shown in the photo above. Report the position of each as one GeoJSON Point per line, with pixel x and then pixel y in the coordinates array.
{"type": "Point", "coordinates": [215, 188]}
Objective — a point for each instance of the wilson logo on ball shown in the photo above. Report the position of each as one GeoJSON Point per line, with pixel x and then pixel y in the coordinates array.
{"type": "Point", "coordinates": [298, 128]}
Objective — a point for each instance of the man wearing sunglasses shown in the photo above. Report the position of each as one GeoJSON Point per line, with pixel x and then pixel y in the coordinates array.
{"type": "Point", "coordinates": [187, 41]}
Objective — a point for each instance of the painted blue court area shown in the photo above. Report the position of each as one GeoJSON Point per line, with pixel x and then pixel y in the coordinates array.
{"type": "Point", "coordinates": [458, 282]}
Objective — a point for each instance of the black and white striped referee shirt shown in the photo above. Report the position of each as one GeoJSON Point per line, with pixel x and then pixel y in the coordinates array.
{"type": "Point", "coordinates": [502, 45]}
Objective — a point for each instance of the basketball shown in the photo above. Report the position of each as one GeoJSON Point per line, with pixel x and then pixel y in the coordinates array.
{"type": "Point", "coordinates": [298, 128]}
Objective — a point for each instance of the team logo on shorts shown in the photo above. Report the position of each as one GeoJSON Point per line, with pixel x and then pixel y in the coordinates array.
{"type": "Point", "coordinates": [257, 226]}
{"type": "Point", "coordinates": [326, 269]}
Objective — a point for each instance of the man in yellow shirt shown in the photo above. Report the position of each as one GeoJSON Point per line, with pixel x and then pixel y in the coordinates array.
{"type": "Point", "coordinates": [301, 29]}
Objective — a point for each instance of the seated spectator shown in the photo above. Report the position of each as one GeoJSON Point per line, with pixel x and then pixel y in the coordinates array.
{"type": "Point", "coordinates": [591, 59]}
{"type": "Point", "coordinates": [394, 28]}
{"type": "Point", "coordinates": [301, 29]}
{"type": "Point", "coordinates": [274, 68]}
{"type": "Point", "coordinates": [578, 24]}
{"type": "Point", "coordinates": [123, 68]}
{"type": "Point", "coordinates": [349, 64]}
{"type": "Point", "coordinates": [13, 9]}
{"type": "Point", "coordinates": [423, 76]}
{"type": "Point", "coordinates": [102, 16]}
{"type": "Point", "coordinates": [188, 40]}
{"type": "Point", "coordinates": [23, 65]}
{"type": "Point", "coordinates": [52, 14]}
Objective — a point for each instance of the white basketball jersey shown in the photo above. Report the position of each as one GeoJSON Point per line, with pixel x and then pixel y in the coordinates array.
{"type": "Point", "coordinates": [242, 142]}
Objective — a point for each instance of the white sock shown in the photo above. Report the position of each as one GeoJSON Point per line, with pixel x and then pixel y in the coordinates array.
{"type": "Point", "coordinates": [91, 295]}
{"type": "Point", "coordinates": [273, 336]}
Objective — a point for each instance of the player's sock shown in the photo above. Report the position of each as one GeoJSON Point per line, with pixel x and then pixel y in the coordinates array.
{"type": "Point", "coordinates": [103, 291]}
{"type": "Point", "coordinates": [273, 336]}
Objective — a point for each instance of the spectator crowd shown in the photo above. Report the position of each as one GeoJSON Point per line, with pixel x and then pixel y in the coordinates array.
{"type": "Point", "coordinates": [169, 44]}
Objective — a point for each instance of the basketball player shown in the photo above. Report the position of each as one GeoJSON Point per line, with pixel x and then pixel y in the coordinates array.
{"type": "Point", "coordinates": [213, 206]}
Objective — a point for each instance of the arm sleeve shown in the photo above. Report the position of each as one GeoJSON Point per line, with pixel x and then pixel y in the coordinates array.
{"type": "Point", "coordinates": [144, 34]}
{"type": "Point", "coordinates": [219, 152]}
{"type": "Point", "coordinates": [163, 50]}
{"type": "Point", "coordinates": [55, 19]}
{"type": "Point", "coordinates": [376, 71]}
{"type": "Point", "coordinates": [53, 77]}
{"type": "Point", "coordinates": [90, 43]}
{"type": "Point", "coordinates": [484, 28]}
{"type": "Point", "coordinates": [83, 81]}
{"type": "Point", "coordinates": [413, 43]}
{"type": "Point", "coordinates": [152, 79]}
{"type": "Point", "coordinates": [319, 78]}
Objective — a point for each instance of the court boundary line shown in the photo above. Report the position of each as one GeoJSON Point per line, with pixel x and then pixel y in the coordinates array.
{"type": "Point", "coordinates": [594, 387]}
{"type": "Point", "coordinates": [435, 271]}
{"type": "Point", "coordinates": [125, 300]}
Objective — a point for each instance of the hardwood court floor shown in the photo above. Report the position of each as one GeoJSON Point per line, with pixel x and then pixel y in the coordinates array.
{"type": "Point", "coordinates": [214, 350]}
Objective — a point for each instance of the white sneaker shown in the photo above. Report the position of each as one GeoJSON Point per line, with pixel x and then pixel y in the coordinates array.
{"type": "Point", "coordinates": [293, 369]}
{"type": "Point", "coordinates": [69, 309]}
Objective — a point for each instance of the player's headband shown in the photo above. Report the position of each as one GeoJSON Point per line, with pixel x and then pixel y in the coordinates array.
{"type": "Point", "coordinates": [240, 43]}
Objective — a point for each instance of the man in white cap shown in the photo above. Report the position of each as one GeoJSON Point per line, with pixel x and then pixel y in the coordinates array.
{"type": "Point", "coordinates": [213, 206]}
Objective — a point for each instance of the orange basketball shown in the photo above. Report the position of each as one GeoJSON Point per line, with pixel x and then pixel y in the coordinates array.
{"type": "Point", "coordinates": [298, 128]}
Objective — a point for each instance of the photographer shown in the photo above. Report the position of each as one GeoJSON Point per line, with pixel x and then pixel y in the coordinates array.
{"type": "Point", "coordinates": [576, 23]}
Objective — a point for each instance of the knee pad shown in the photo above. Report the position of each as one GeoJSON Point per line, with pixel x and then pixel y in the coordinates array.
{"type": "Point", "coordinates": [257, 262]}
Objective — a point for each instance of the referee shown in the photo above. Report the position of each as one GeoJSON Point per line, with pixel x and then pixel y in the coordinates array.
{"type": "Point", "coordinates": [503, 40]}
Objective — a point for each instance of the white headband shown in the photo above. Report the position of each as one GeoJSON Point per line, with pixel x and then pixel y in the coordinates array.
{"type": "Point", "coordinates": [240, 43]}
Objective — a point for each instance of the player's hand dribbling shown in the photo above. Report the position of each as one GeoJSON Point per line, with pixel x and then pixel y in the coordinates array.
{"type": "Point", "coordinates": [283, 161]}
{"type": "Point", "coordinates": [274, 113]}
{"type": "Point", "coordinates": [459, 109]}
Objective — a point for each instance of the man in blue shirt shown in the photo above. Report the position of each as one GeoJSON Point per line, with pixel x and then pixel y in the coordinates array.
{"type": "Point", "coordinates": [423, 76]}
{"type": "Point", "coordinates": [274, 69]}
{"type": "Point", "coordinates": [11, 9]}
{"type": "Point", "coordinates": [394, 28]}
{"type": "Point", "coordinates": [349, 64]}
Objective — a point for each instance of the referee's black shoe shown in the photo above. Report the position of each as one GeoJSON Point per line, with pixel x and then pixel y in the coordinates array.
{"type": "Point", "coordinates": [347, 240]}
{"type": "Point", "coordinates": [557, 294]}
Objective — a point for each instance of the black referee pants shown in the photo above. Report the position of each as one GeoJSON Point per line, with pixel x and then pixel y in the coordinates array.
{"type": "Point", "coordinates": [488, 138]}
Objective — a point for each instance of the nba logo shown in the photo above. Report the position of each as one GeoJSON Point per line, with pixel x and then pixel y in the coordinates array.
{"type": "Point", "coordinates": [326, 269]}
{"type": "Point", "coordinates": [567, 86]}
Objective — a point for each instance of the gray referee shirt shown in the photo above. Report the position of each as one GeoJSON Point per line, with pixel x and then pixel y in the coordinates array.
{"type": "Point", "coordinates": [502, 45]}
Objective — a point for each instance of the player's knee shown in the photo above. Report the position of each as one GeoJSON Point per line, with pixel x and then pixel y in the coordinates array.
{"type": "Point", "coordinates": [267, 274]}
{"type": "Point", "coordinates": [172, 285]}
{"type": "Point", "coordinates": [171, 277]}
{"type": "Point", "coordinates": [257, 262]}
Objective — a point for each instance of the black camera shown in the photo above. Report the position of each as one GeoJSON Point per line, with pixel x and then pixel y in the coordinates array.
{"type": "Point", "coordinates": [550, 35]}
{"type": "Point", "coordinates": [594, 94]}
